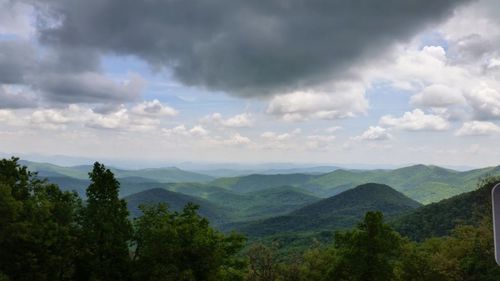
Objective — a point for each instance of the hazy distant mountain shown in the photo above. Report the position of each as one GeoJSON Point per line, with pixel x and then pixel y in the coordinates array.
{"type": "Point", "coordinates": [425, 184]}
{"type": "Point", "coordinates": [71, 184]}
{"type": "Point", "coordinates": [341, 211]}
{"type": "Point", "coordinates": [169, 174]}
{"type": "Point", "coordinates": [422, 183]}
{"type": "Point", "coordinates": [128, 185]}
{"type": "Point", "coordinates": [50, 170]}
{"type": "Point", "coordinates": [259, 182]}
{"type": "Point", "coordinates": [314, 170]}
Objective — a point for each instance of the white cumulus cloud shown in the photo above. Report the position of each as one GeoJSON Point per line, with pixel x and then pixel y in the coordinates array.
{"type": "Point", "coordinates": [341, 100]}
{"type": "Point", "coordinates": [478, 128]}
{"type": "Point", "coordinates": [415, 120]}
{"type": "Point", "coordinates": [374, 133]}
{"type": "Point", "coordinates": [154, 108]}
{"type": "Point", "coordinates": [438, 96]}
{"type": "Point", "coordinates": [243, 120]}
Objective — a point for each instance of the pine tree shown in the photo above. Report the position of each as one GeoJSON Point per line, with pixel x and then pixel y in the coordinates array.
{"type": "Point", "coordinates": [106, 230]}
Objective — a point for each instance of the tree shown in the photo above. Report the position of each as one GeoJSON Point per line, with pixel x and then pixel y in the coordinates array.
{"type": "Point", "coordinates": [417, 264]}
{"type": "Point", "coordinates": [182, 246]}
{"type": "Point", "coordinates": [106, 230]}
{"type": "Point", "coordinates": [317, 262]}
{"type": "Point", "coordinates": [367, 253]}
{"type": "Point", "coordinates": [37, 226]}
{"type": "Point", "coordinates": [468, 254]}
{"type": "Point", "coordinates": [263, 263]}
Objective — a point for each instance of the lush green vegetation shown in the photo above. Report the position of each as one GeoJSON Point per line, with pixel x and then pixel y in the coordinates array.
{"type": "Point", "coordinates": [259, 182]}
{"type": "Point", "coordinates": [273, 201]}
{"type": "Point", "coordinates": [50, 234]}
{"type": "Point", "coordinates": [439, 219]}
{"type": "Point", "coordinates": [374, 252]}
{"type": "Point", "coordinates": [425, 184]}
{"type": "Point", "coordinates": [337, 212]}
{"type": "Point", "coordinates": [176, 202]}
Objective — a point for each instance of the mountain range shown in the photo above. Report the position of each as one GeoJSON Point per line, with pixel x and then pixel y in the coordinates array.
{"type": "Point", "coordinates": [242, 195]}
{"type": "Point", "coordinates": [337, 212]}
{"type": "Point", "coordinates": [296, 208]}
{"type": "Point", "coordinates": [425, 184]}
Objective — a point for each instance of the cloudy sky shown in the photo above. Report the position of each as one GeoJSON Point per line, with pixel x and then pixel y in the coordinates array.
{"type": "Point", "coordinates": [316, 81]}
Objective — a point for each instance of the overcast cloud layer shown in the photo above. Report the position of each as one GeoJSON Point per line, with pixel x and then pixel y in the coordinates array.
{"type": "Point", "coordinates": [247, 48]}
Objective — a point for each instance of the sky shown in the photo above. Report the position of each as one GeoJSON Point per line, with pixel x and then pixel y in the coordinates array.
{"type": "Point", "coordinates": [317, 81]}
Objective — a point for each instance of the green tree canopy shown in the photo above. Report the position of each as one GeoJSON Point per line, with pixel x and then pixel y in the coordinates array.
{"type": "Point", "coordinates": [106, 230]}
{"type": "Point", "coordinates": [37, 226]}
{"type": "Point", "coordinates": [367, 253]}
{"type": "Point", "coordinates": [182, 246]}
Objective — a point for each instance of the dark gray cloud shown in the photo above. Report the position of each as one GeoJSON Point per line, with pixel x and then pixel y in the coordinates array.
{"type": "Point", "coordinates": [243, 47]}
{"type": "Point", "coordinates": [16, 60]}
{"type": "Point", "coordinates": [88, 87]}
{"type": "Point", "coordinates": [60, 75]}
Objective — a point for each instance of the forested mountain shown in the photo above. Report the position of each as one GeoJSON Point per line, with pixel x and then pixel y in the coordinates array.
{"type": "Point", "coordinates": [334, 213]}
{"type": "Point", "coordinates": [439, 219]}
{"type": "Point", "coordinates": [176, 202]}
{"type": "Point", "coordinates": [258, 182]}
{"type": "Point", "coordinates": [425, 184]}
{"type": "Point", "coordinates": [254, 205]}
{"type": "Point", "coordinates": [422, 183]}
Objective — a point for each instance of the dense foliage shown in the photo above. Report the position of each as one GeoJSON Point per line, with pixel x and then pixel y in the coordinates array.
{"type": "Point", "coordinates": [439, 219]}
{"type": "Point", "coordinates": [38, 230]}
{"type": "Point", "coordinates": [337, 212]}
{"type": "Point", "coordinates": [182, 246]}
{"type": "Point", "coordinates": [375, 252]}
{"type": "Point", "coordinates": [105, 230]}
{"type": "Point", "coordinates": [425, 184]}
{"type": "Point", "coordinates": [49, 234]}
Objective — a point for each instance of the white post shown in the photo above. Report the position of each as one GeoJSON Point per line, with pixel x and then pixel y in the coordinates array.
{"type": "Point", "coordinates": [495, 196]}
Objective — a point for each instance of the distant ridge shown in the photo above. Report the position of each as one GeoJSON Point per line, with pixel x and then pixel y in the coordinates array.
{"type": "Point", "coordinates": [340, 211]}
{"type": "Point", "coordinates": [257, 182]}
{"type": "Point", "coordinates": [164, 175]}
{"type": "Point", "coordinates": [176, 202]}
{"type": "Point", "coordinates": [423, 183]}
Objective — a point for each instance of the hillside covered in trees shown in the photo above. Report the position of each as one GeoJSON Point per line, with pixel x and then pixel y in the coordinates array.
{"type": "Point", "coordinates": [422, 183]}
{"type": "Point", "coordinates": [50, 234]}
